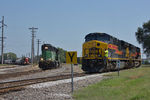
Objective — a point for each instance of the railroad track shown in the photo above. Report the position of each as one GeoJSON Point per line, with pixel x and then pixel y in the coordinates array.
{"type": "Point", "coordinates": [10, 86]}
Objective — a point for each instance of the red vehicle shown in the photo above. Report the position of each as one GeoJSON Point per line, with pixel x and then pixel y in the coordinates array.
{"type": "Point", "coordinates": [26, 61]}
{"type": "Point", "coordinates": [23, 61]}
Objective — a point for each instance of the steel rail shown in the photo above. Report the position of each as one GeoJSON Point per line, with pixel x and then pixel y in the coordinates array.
{"type": "Point", "coordinates": [20, 84]}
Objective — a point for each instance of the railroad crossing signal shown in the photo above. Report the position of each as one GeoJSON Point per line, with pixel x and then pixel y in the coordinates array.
{"type": "Point", "coordinates": [71, 57]}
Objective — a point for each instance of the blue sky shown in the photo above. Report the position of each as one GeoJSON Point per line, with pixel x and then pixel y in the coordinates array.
{"type": "Point", "coordinates": [64, 23]}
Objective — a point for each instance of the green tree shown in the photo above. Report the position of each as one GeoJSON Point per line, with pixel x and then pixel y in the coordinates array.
{"type": "Point", "coordinates": [62, 55]}
{"type": "Point", "coordinates": [143, 37]}
{"type": "Point", "coordinates": [10, 56]}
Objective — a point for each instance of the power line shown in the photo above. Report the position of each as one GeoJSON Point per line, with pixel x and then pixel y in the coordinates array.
{"type": "Point", "coordinates": [2, 40]}
{"type": "Point", "coordinates": [32, 50]}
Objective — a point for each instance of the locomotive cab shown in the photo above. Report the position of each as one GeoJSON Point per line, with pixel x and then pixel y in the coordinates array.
{"type": "Point", "coordinates": [93, 51]}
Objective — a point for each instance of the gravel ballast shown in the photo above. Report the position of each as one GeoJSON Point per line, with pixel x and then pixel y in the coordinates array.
{"type": "Point", "coordinates": [56, 90]}
{"type": "Point", "coordinates": [65, 69]}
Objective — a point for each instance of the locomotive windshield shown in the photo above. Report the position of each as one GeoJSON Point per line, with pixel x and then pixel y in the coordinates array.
{"type": "Point", "coordinates": [97, 36]}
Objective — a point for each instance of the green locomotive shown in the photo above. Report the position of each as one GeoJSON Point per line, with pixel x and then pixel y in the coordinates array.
{"type": "Point", "coordinates": [49, 58]}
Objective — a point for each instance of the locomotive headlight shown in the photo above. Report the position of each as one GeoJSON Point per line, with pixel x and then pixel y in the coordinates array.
{"type": "Point", "coordinates": [41, 59]}
{"type": "Point", "coordinates": [46, 48]}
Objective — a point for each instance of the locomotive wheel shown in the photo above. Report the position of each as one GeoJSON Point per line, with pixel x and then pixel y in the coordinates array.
{"type": "Point", "coordinates": [137, 64]}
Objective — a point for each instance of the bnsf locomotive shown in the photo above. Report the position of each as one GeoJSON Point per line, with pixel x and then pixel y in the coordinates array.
{"type": "Point", "coordinates": [93, 53]}
{"type": "Point", "coordinates": [49, 57]}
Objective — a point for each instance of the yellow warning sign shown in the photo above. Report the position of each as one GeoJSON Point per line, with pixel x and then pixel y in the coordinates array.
{"type": "Point", "coordinates": [71, 57]}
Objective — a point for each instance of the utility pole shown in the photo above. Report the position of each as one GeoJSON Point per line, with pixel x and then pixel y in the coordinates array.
{"type": "Point", "coordinates": [2, 40]}
{"type": "Point", "coordinates": [32, 50]}
{"type": "Point", "coordinates": [38, 43]}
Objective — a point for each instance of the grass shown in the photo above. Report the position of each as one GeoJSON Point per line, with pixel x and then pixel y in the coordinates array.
{"type": "Point", "coordinates": [132, 84]}
{"type": "Point", "coordinates": [3, 64]}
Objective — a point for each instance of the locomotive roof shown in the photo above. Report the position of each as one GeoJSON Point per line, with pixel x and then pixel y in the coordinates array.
{"type": "Point", "coordinates": [95, 33]}
{"type": "Point", "coordinates": [50, 47]}
{"type": "Point", "coordinates": [107, 35]}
